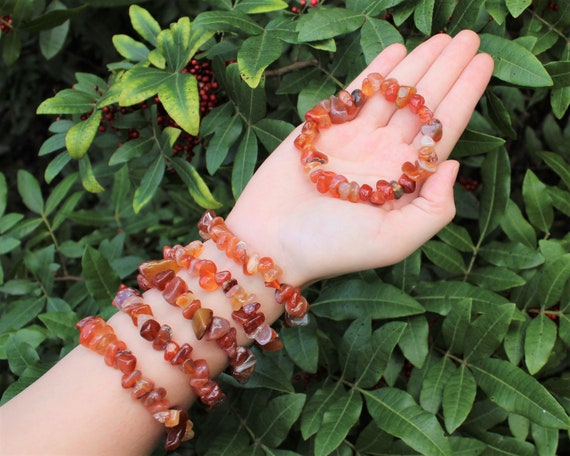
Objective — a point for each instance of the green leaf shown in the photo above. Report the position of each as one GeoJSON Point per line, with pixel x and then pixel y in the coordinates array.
{"type": "Point", "coordinates": [220, 144]}
{"type": "Point", "coordinates": [496, 174]}
{"type": "Point", "coordinates": [434, 382]}
{"type": "Point", "coordinates": [539, 340]}
{"type": "Point", "coordinates": [52, 144]}
{"type": "Point", "coordinates": [270, 376]}
{"type": "Point", "coordinates": [278, 416]}
{"type": "Point", "coordinates": [517, 392]}
{"type": "Point", "coordinates": [375, 36]}
{"type": "Point", "coordinates": [396, 412]}
{"type": "Point", "coordinates": [465, 16]}
{"type": "Point", "coordinates": [67, 101]}
{"type": "Point", "coordinates": [505, 445]}
{"type": "Point", "coordinates": [227, 21]}
{"type": "Point", "coordinates": [405, 274]}
{"type": "Point", "coordinates": [133, 148]}
{"type": "Point", "coordinates": [559, 72]}
{"type": "Point", "coordinates": [487, 332]}
{"type": "Point", "coordinates": [130, 49]}
{"type": "Point", "coordinates": [553, 278]}
{"type": "Point", "coordinates": [558, 165]}
{"type": "Point", "coordinates": [7, 244]}
{"type": "Point", "coordinates": [514, 63]}
{"type": "Point", "coordinates": [500, 115]}
{"type": "Point", "coordinates": [244, 162]}
{"type": "Point", "coordinates": [495, 278]}
{"type": "Point", "coordinates": [445, 257]}
{"type": "Point", "coordinates": [21, 355]}
{"type": "Point", "coordinates": [516, 227]}
{"type": "Point", "coordinates": [355, 337]}
{"type": "Point", "coordinates": [323, 23]}
{"type": "Point", "coordinates": [517, 7]}
{"type": "Point", "coordinates": [53, 39]}
{"type": "Point", "coordinates": [351, 299]}
{"type": "Point", "coordinates": [19, 313]}
{"type": "Point", "coordinates": [260, 6]}
{"type": "Point", "coordinates": [560, 100]}
{"type": "Point", "coordinates": [545, 440]}
{"type": "Point", "coordinates": [180, 98]}
{"type": "Point", "coordinates": [3, 195]}
{"type": "Point", "coordinates": [457, 236]}
{"type": "Point", "coordinates": [100, 279]}
{"type": "Point", "coordinates": [475, 143]}
{"type": "Point", "coordinates": [145, 25]}
{"type": "Point", "coordinates": [255, 54]}
{"type": "Point", "coordinates": [414, 340]}
{"type": "Point", "coordinates": [455, 326]}
{"type": "Point", "coordinates": [79, 138]}
{"type": "Point", "coordinates": [175, 44]}
{"type": "Point", "coordinates": [60, 324]}
{"type": "Point", "coordinates": [302, 346]}
{"type": "Point", "coordinates": [55, 166]}
{"type": "Point", "coordinates": [458, 397]}
{"type": "Point", "coordinates": [271, 132]}
{"type": "Point", "coordinates": [374, 356]}
{"type": "Point", "coordinates": [51, 19]}
{"type": "Point", "coordinates": [423, 16]}
{"type": "Point", "coordinates": [30, 191]}
{"type": "Point", "coordinates": [149, 184]}
{"type": "Point", "coordinates": [88, 179]}
{"type": "Point", "coordinates": [140, 83]}
{"type": "Point", "coordinates": [339, 418]}
{"type": "Point", "coordinates": [316, 407]}
{"type": "Point", "coordinates": [59, 193]}
{"type": "Point", "coordinates": [196, 185]}
{"type": "Point", "coordinates": [513, 255]}
{"type": "Point", "coordinates": [537, 201]}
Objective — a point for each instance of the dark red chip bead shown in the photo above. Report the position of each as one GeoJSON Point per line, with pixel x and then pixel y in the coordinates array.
{"type": "Point", "coordinates": [162, 338]}
{"type": "Point", "coordinates": [173, 289]}
{"type": "Point", "coordinates": [149, 329]}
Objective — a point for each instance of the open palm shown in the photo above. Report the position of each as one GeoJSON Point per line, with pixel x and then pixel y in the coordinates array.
{"type": "Point", "coordinates": [314, 236]}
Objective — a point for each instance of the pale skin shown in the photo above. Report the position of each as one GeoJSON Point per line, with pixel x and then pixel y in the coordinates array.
{"type": "Point", "coordinates": [79, 407]}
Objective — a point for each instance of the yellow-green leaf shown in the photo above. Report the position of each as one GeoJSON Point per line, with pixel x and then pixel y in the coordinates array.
{"type": "Point", "coordinates": [79, 137]}
{"type": "Point", "coordinates": [180, 98]}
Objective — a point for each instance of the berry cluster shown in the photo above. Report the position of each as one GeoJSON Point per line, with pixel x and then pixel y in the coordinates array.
{"type": "Point", "coordinates": [468, 184]}
{"type": "Point", "coordinates": [553, 6]}
{"type": "Point", "coordinates": [302, 6]}
{"type": "Point", "coordinates": [6, 24]}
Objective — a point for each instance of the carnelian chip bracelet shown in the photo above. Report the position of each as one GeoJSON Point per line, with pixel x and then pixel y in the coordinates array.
{"type": "Point", "coordinates": [345, 107]}
{"type": "Point", "coordinates": [129, 301]}
{"type": "Point", "coordinates": [97, 335]}
{"type": "Point", "coordinates": [162, 275]}
{"type": "Point", "coordinates": [296, 306]}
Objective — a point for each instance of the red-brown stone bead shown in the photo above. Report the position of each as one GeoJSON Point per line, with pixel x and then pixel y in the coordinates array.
{"type": "Point", "coordinates": [407, 184]}
{"type": "Point", "coordinates": [162, 338]}
{"type": "Point", "coordinates": [183, 354]}
{"type": "Point", "coordinates": [161, 279]}
{"type": "Point", "coordinates": [149, 329]}
{"type": "Point", "coordinates": [174, 289]}
{"type": "Point", "coordinates": [433, 129]}
{"type": "Point", "coordinates": [129, 380]}
{"type": "Point", "coordinates": [403, 96]}
{"type": "Point", "coordinates": [415, 102]}
{"type": "Point", "coordinates": [217, 328]}
{"type": "Point", "coordinates": [189, 311]}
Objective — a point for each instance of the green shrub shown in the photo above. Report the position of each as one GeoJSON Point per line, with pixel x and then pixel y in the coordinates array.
{"type": "Point", "coordinates": [460, 349]}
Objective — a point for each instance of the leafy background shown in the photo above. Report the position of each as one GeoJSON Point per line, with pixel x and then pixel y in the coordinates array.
{"type": "Point", "coordinates": [460, 349]}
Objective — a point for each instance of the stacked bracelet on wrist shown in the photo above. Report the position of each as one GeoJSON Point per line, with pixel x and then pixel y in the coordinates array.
{"type": "Point", "coordinates": [97, 335]}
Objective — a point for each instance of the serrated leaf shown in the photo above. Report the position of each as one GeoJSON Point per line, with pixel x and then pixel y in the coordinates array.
{"type": "Point", "coordinates": [339, 418]}
{"type": "Point", "coordinates": [323, 23]}
{"type": "Point", "coordinates": [539, 340]}
{"type": "Point", "coordinates": [514, 63]}
{"type": "Point", "coordinates": [486, 333]}
{"type": "Point", "coordinates": [537, 201]}
{"type": "Point", "coordinates": [496, 175]}
{"type": "Point", "coordinates": [278, 416]}
{"type": "Point", "coordinates": [375, 36]}
{"type": "Point", "coordinates": [355, 298]}
{"type": "Point", "coordinates": [414, 340]}
{"type": "Point", "coordinates": [100, 280]}
{"type": "Point", "coordinates": [302, 346]}
{"type": "Point", "coordinates": [255, 54]}
{"type": "Point", "coordinates": [145, 25]}
{"type": "Point", "coordinates": [29, 190]}
{"type": "Point", "coordinates": [244, 162]}
{"type": "Point", "coordinates": [396, 412]}
{"type": "Point", "coordinates": [79, 138]}
{"type": "Point", "coordinates": [458, 397]}
{"type": "Point", "coordinates": [434, 382]}
{"type": "Point", "coordinates": [374, 356]}
{"type": "Point", "coordinates": [445, 257]}
{"type": "Point", "coordinates": [196, 185]}
{"type": "Point", "coordinates": [180, 98]}
{"type": "Point", "coordinates": [149, 184]}
{"type": "Point", "coordinates": [513, 255]}
{"type": "Point", "coordinates": [517, 392]}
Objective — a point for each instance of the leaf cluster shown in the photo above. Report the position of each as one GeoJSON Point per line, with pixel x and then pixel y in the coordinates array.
{"type": "Point", "coordinates": [462, 348]}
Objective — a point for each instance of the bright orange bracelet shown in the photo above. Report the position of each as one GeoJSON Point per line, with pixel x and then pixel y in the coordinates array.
{"type": "Point", "coordinates": [97, 335]}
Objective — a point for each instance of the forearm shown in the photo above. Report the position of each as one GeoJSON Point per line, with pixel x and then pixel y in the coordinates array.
{"type": "Point", "coordinates": [79, 406]}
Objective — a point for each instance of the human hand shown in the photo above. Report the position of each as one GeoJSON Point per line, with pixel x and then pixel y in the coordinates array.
{"type": "Point", "coordinates": [311, 235]}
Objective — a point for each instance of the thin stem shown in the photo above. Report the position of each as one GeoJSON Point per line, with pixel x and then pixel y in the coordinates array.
{"type": "Point", "coordinates": [291, 67]}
